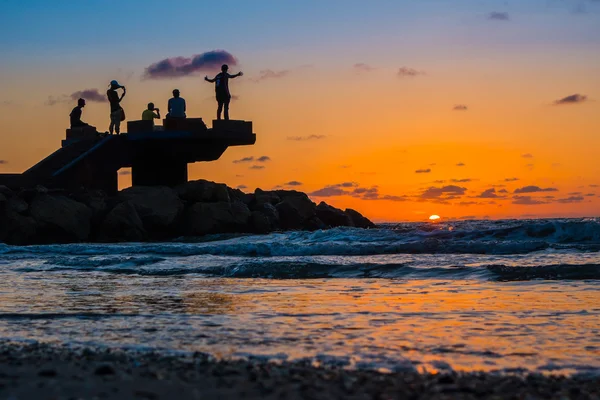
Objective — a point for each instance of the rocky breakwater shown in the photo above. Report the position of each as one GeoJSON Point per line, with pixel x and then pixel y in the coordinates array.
{"type": "Point", "coordinates": [42, 216]}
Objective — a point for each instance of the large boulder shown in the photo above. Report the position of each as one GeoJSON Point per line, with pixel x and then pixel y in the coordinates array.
{"type": "Point", "coordinates": [203, 191]}
{"type": "Point", "coordinates": [358, 220]}
{"type": "Point", "coordinates": [60, 218]}
{"type": "Point", "coordinates": [20, 229]}
{"type": "Point", "coordinates": [262, 197]}
{"type": "Point", "coordinates": [122, 223]}
{"type": "Point", "coordinates": [3, 218]}
{"type": "Point", "coordinates": [204, 218]}
{"type": "Point", "coordinates": [4, 190]}
{"type": "Point", "coordinates": [295, 210]}
{"type": "Point", "coordinates": [265, 219]}
{"type": "Point", "coordinates": [17, 204]}
{"type": "Point", "coordinates": [157, 206]}
{"type": "Point", "coordinates": [332, 216]}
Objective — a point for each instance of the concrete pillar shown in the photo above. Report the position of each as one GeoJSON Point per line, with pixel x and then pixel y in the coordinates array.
{"type": "Point", "coordinates": [158, 172]}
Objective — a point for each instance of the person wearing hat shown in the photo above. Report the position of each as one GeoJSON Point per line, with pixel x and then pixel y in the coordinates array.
{"type": "Point", "coordinates": [176, 106]}
{"type": "Point", "coordinates": [116, 111]}
{"type": "Point", "coordinates": [222, 89]}
{"type": "Point", "coordinates": [75, 115]}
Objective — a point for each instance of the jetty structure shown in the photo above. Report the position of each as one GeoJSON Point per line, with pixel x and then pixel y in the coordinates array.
{"type": "Point", "coordinates": [157, 156]}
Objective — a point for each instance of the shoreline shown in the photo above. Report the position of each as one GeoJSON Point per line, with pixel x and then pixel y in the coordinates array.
{"type": "Point", "coordinates": [40, 371]}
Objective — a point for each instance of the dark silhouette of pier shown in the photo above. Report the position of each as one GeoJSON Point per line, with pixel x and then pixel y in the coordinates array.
{"type": "Point", "coordinates": [156, 157]}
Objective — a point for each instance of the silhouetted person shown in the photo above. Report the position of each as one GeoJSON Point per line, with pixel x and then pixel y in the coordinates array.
{"type": "Point", "coordinates": [176, 106]}
{"type": "Point", "coordinates": [149, 114]}
{"type": "Point", "coordinates": [222, 89]}
{"type": "Point", "coordinates": [75, 115]}
{"type": "Point", "coordinates": [116, 111]}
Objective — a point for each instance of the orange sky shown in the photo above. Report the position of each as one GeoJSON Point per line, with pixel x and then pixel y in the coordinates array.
{"type": "Point", "coordinates": [372, 128]}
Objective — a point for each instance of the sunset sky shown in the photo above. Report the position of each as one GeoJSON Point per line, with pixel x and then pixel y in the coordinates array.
{"type": "Point", "coordinates": [399, 109]}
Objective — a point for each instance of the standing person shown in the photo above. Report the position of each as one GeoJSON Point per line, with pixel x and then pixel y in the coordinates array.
{"type": "Point", "coordinates": [149, 114]}
{"type": "Point", "coordinates": [176, 106]}
{"type": "Point", "coordinates": [222, 89]}
{"type": "Point", "coordinates": [116, 111]}
{"type": "Point", "coordinates": [75, 115]}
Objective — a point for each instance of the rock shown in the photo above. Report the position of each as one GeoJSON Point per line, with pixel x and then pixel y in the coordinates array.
{"type": "Point", "coordinates": [263, 197]}
{"type": "Point", "coordinates": [333, 216]}
{"type": "Point", "coordinates": [4, 190]}
{"type": "Point", "coordinates": [20, 229]}
{"type": "Point", "coordinates": [104, 370]}
{"type": "Point", "coordinates": [204, 218]}
{"type": "Point", "coordinates": [17, 205]}
{"type": "Point", "coordinates": [358, 220]}
{"type": "Point", "coordinates": [61, 218]}
{"type": "Point", "coordinates": [238, 195]}
{"type": "Point", "coordinates": [157, 206]}
{"type": "Point", "coordinates": [203, 191]}
{"type": "Point", "coordinates": [122, 223]}
{"type": "Point", "coordinates": [265, 219]}
{"type": "Point", "coordinates": [3, 217]}
{"type": "Point", "coordinates": [295, 210]}
{"type": "Point", "coordinates": [94, 199]}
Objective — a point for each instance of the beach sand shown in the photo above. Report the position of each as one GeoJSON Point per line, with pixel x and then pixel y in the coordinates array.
{"type": "Point", "coordinates": [42, 371]}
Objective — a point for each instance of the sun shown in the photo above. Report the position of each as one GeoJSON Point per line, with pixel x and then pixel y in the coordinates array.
{"type": "Point", "coordinates": [434, 217]}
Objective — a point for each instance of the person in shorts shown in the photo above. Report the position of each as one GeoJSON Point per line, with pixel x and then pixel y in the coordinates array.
{"type": "Point", "coordinates": [223, 95]}
{"type": "Point", "coordinates": [116, 111]}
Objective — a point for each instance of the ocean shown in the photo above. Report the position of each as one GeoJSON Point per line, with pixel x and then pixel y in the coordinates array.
{"type": "Point", "coordinates": [508, 296]}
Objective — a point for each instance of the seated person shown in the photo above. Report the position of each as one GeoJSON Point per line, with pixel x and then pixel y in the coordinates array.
{"type": "Point", "coordinates": [176, 106]}
{"type": "Point", "coordinates": [149, 114]}
{"type": "Point", "coordinates": [75, 115]}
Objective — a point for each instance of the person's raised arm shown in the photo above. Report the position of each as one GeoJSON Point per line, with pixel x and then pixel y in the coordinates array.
{"type": "Point", "coordinates": [157, 113]}
{"type": "Point", "coordinates": [122, 95]}
{"type": "Point", "coordinates": [207, 79]}
{"type": "Point", "coordinates": [236, 75]}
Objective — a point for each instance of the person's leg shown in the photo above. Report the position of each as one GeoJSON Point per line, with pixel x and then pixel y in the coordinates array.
{"type": "Point", "coordinates": [118, 126]}
{"type": "Point", "coordinates": [227, 107]}
{"type": "Point", "coordinates": [111, 127]}
{"type": "Point", "coordinates": [219, 110]}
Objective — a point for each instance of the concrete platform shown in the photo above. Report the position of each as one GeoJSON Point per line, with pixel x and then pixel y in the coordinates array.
{"type": "Point", "coordinates": [156, 157]}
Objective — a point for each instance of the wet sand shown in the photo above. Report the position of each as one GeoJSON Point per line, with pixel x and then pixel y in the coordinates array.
{"type": "Point", "coordinates": [41, 371]}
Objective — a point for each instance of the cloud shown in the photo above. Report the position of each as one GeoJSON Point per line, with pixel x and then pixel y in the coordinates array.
{"type": "Point", "coordinates": [527, 155]}
{"type": "Point", "coordinates": [489, 194]}
{"type": "Point", "coordinates": [244, 160]}
{"type": "Point", "coordinates": [423, 171]}
{"type": "Point", "coordinates": [461, 164]}
{"type": "Point", "coordinates": [89, 95]}
{"type": "Point", "coordinates": [460, 107]}
{"type": "Point", "coordinates": [257, 167]}
{"type": "Point", "coordinates": [409, 72]}
{"type": "Point", "coordinates": [469, 203]}
{"type": "Point", "coordinates": [362, 67]}
{"type": "Point", "coordinates": [465, 180]}
{"type": "Point", "coordinates": [571, 199]}
{"type": "Point", "coordinates": [502, 191]}
{"type": "Point", "coordinates": [449, 191]}
{"type": "Point", "coordinates": [594, 186]}
{"type": "Point", "coordinates": [303, 138]}
{"type": "Point", "coordinates": [177, 67]}
{"type": "Point", "coordinates": [498, 16]}
{"type": "Point", "coordinates": [270, 74]}
{"type": "Point", "coordinates": [263, 159]}
{"type": "Point", "coordinates": [511, 179]}
{"type": "Point", "coordinates": [337, 189]}
{"type": "Point", "coordinates": [7, 103]}
{"type": "Point", "coordinates": [241, 187]}
{"type": "Point", "coordinates": [328, 191]}
{"type": "Point", "coordinates": [590, 194]}
{"type": "Point", "coordinates": [527, 200]}
{"type": "Point", "coordinates": [534, 189]}
{"type": "Point", "coordinates": [3, 162]}
{"type": "Point", "coordinates": [293, 183]}
{"type": "Point", "coordinates": [572, 99]}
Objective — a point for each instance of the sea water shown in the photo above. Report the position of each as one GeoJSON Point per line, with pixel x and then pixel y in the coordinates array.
{"type": "Point", "coordinates": [498, 296]}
